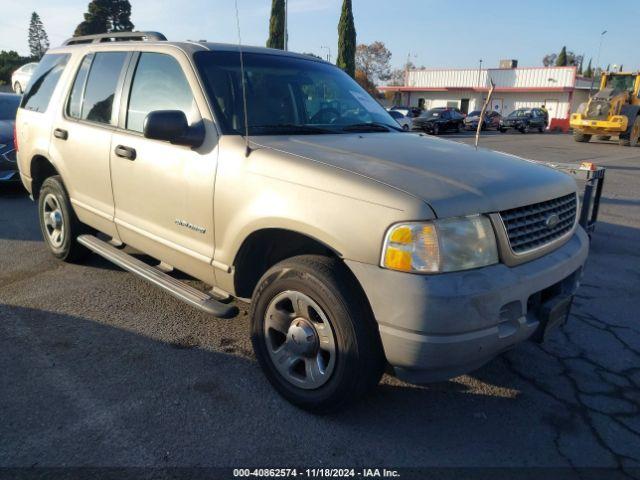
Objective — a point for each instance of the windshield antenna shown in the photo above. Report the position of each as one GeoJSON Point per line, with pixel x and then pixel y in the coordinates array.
{"type": "Point", "coordinates": [244, 88]}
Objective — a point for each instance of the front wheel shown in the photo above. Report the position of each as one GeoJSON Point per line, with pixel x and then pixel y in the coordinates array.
{"type": "Point", "coordinates": [314, 335]}
{"type": "Point", "coordinates": [581, 137]}
{"type": "Point", "coordinates": [58, 222]}
{"type": "Point", "coordinates": [633, 138]}
{"type": "Point", "coordinates": [405, 127]}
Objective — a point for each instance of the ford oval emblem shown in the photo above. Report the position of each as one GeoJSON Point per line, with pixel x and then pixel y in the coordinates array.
{"type": "Point", "coordinates": [552, 220]}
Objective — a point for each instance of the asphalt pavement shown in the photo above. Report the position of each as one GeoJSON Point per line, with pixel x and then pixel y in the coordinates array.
{"type": "Point", "coordinates": [99, 369]}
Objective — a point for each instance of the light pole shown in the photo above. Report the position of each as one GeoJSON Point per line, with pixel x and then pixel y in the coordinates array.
{"type": "Point", "coordinates": [479, 72]}
{"type": "Point", "coordinates": [593, 77]}
{"type": "Point", "coordinates": [328, 49]}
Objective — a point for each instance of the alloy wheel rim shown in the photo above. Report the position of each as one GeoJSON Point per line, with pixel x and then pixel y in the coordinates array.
{"type": "Point", "coordinates": [53, 220]}
{"type": "Point", "coordinates": [300, 340]}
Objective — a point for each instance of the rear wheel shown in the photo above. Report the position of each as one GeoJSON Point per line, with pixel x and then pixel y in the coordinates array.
{"type": "Point", "coordinates": [405, 127]}
{"type": "Point", "coordinates": [58, 222]}
{"type": "Point", "coordinates": [581, 137]}
{"type": "Point", "coordinates": [314, 335]}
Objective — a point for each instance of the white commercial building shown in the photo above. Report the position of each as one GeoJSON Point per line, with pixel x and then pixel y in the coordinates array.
{"type": "Point", "coordinates": [560, 89]}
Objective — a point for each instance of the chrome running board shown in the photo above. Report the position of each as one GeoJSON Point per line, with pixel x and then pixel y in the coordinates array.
{"type": "Point", "coordinates": [178, 289]}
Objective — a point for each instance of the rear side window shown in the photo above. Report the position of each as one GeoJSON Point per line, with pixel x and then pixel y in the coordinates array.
{"type": "Point", "coordinates": [74, 107]}
{"type": "Point", "coordinates": [43, 82]}
{"type": "Point", "coordinates": [159, 84]}
{"type": "Point", "coordinates": [93, 93]}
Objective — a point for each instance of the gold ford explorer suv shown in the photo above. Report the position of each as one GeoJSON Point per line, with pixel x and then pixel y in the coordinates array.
{"type": "Point", "coordinates": [278, 181]}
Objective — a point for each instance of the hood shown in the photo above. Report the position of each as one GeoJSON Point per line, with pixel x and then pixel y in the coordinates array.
{"type": "Point", "coordinates": [453, 178]}
{"type": "Point", "coordinates": [6, 132]}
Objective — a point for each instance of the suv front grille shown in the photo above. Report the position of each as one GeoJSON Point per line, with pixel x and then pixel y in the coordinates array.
{"type": "Point", "coordinates": [540, 224]}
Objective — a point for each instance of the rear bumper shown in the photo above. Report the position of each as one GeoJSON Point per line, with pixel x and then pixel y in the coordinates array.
{"type": "Point", "coordinates": [440, 326]}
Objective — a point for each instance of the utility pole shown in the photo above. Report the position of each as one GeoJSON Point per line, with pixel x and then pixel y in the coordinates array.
{"type": "Point", "coordinates": [479, 72]}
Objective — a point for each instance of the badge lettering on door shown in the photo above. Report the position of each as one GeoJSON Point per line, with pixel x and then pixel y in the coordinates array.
{"type": "Point", "coordinates": [190, 226]}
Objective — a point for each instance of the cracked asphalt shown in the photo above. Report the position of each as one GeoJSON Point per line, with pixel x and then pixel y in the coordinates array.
{"type": "Point", "coordinates": [99, 369]}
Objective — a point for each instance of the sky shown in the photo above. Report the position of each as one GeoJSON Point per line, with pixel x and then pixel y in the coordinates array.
{"type": "Point", "coordinates": [455, 33]}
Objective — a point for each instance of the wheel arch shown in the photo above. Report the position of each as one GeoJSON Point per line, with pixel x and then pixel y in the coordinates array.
{"type": "Point", "coordinates": [40, 169]}
{"type": "Point", "coordinates": [265, 247]}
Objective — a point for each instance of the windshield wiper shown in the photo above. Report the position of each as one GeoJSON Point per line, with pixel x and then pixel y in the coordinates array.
{"type": "Point", "coordinates": [369, 127]}
{"type": "Point", "coordinates": [293, 128]}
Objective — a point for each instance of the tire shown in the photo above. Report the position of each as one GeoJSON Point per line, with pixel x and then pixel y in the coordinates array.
{"type": "Point", "coordinates": [541, 129]}
{"type": "Point", "coordinates": [17, 88]}
{"type": "Point", "coordinates": [56, 215]}
{"type": "Point", "coordinates": [633, 138]}
{"type": "Point", "coordinates": [581, 137]}
{"type": "Point", "coordinates": [436, 130]}
{"type": "Point", "coordinates": [502, 130]}
{"type": "Point", "coordinates": [458, 129]}
{"type": "Point", "coordinates": [525, 129]}
{"type": "Point", "coordinates": [405, 127]}
{"type": "Point", "coordinates": [332, 306]}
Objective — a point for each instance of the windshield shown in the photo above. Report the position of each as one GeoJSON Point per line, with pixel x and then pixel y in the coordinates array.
{"type": "Point", "coordinates": [9, 106]}
{"type": "Point", "coordinates": [287, 95]}
{"type": "Point", "coordinates": [520, 113]}
{"type": "Point", "coordinates": [621, 82]}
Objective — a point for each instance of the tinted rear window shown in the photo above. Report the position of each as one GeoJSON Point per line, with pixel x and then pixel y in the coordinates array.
{"type": "Point", "coordinates": [43, 82]}
{"type": "Point", "coordinates": [101, 86]}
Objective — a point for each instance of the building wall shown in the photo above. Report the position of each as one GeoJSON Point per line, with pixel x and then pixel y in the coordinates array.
{"type": "Point", "coordinates": [558, 103]}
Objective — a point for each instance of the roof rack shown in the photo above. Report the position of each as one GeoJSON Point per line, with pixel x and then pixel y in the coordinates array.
{"type": "Point", "coordinates": [115, 37]}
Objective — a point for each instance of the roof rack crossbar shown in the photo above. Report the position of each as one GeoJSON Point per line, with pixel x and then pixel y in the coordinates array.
{"type": "Point", "coordinates": [115, 37]}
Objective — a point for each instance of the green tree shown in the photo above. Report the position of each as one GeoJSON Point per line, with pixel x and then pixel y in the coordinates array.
{"type": "Point", "coordinates": [38, 39]}
{"type": "Point", "coordinates": [589, 71]}
{"type": "Point", "coordinates": [561, 61]}
{"type": "Point", "coordinates": [10, 61]}
{"type": "Point", "coordinates": [347, 40]}
{"type": "Point", "coordinates": [579, 71]}
{"type": "Point", "coordinates": [105, 16]}
{"type": "Point", "coordinates": [276, 25]}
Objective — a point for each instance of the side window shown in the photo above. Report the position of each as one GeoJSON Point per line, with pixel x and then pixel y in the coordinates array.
{"type": "Point", "coordinates": [43, 82]}
{"type": "Point", "coordinates": [74, 107]}
{"type": "Point", "coordinates": [97, 102]}
{"type": "Point", "coordinates": [159, 84]}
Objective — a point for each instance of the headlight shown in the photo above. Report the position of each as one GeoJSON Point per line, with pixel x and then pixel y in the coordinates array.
{"type": "Point", "coordinates": [436, 246]}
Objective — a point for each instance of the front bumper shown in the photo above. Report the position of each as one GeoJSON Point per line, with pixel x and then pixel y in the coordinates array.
{"type": "Point", "coordinates": [617, 124]}
{"type": "Point", "coordinates": [435, 327]}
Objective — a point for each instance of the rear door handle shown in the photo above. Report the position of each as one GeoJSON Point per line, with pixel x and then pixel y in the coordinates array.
{"type": "Point", "coordinates": [61, 134]}
{"type": "Point", "coordinates": [125, 152]}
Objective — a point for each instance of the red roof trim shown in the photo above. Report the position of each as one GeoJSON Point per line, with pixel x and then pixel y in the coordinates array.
{"type": "Point", "coordinates": [389, 88]}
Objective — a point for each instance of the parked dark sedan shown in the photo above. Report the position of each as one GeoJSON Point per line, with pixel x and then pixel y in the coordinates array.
{"type": "Point", "coordinates": [8, 108]}
{"type": "Point", "coordinates": [438, 120]}
{"type": "Point", "coordinates": [491, 120]}
{"type": "Point", "coordinates": [524, 120]}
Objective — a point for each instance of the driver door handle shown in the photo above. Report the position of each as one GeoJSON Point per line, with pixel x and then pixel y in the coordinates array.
{"type": "Point", "coordinates": [125, 152]}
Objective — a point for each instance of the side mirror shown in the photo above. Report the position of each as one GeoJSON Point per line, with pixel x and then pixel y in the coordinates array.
{"type": "Point", "coordinates": [172, 126]}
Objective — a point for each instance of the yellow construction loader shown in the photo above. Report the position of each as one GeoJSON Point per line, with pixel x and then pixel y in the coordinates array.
{"type": "Point", "coordinates": [613, 111]}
